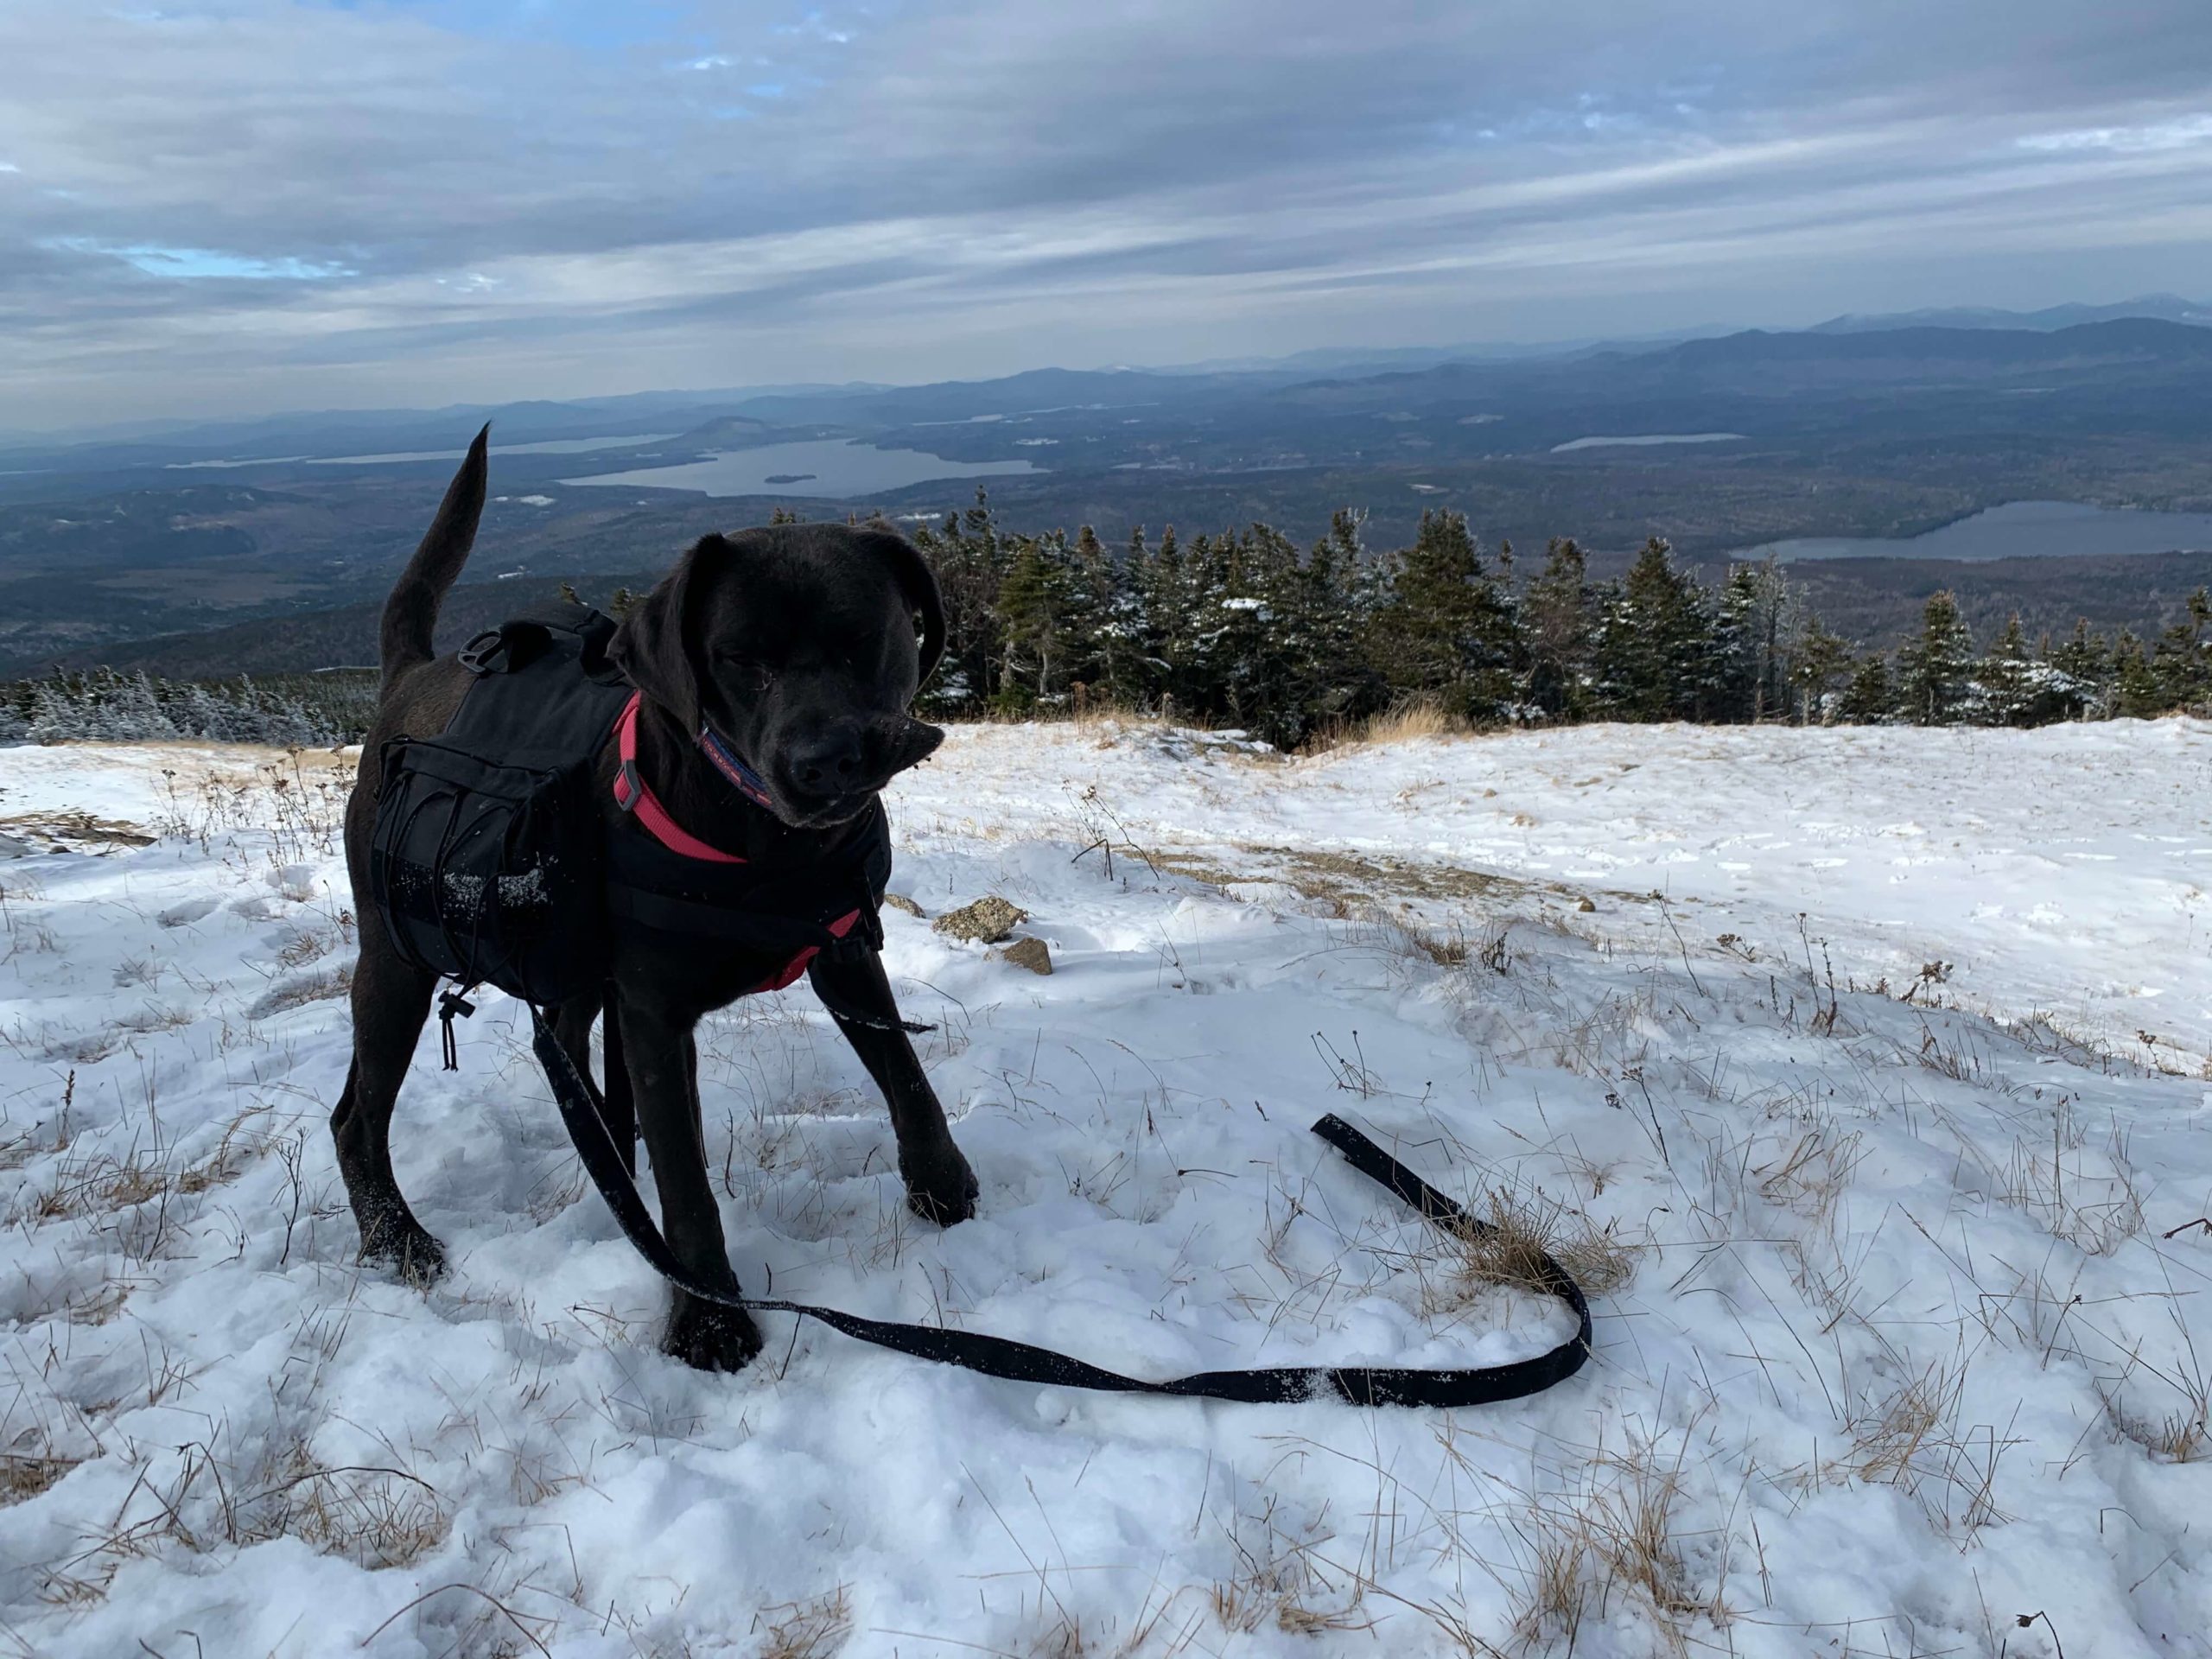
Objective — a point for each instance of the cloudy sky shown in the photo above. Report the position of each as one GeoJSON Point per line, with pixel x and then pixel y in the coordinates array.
{"type": "Point", "coordinates": [213, 206]}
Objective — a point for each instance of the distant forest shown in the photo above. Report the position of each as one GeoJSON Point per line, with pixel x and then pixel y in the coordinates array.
{"type": "Point", "coordinates": [1244, 629]}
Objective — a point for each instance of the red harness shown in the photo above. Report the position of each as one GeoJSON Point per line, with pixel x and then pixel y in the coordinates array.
{"type": "Point", "coordinates": [635, 796]}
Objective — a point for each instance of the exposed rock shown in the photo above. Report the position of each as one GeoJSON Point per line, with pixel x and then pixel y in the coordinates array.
{"type": "Point", "coordinates": [900, 901]}
{"type": "Point", "coordinates": [1027, 952]}
{"type": "Point", "coordinates": [1587, 904]}
{"type": "Point", "coordinates": [987, 921]}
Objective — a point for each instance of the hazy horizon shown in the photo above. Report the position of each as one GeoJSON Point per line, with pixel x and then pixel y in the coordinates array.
{"type": "Point", "coordinates": [97, 428]}
{"type": "Point", "coordinates": [234, 208]}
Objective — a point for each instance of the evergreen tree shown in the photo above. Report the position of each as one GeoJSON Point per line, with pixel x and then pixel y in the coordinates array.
{"type": "Point", "coordinates": [2181, 661]}
{"type": "Point", "coordinates": [1036, 605]}
{"type": "Point", "coordinates": [1171, 629]}
{"type": "Point", "coordinates": [1109, 642]}
{"type": "Point", "coordinates": [966, 554]}
{"type": "Point", "coordinates": [1819, 662]}
{"type": "Point", "coordinates": [2012, 686]}
{"type": "Point", "coordinates": [1658, 655]}
{"type": "Point", "coordinates": [1559, 620]}
{"type": "Point", "coordinates": [1748, 632]}
{"type": "Point", "coordinates": [1323, 618]}
{"type": "Point", "coordinates": [1934, 672]}
{"type": "Point", "coordinates": [2137, 693]}
{"type": "Point", "coordinates": [1867, 699]}
{"type": "Point", "coordinates": [1448, 628]}
{"type": "Point", "coordinates": [2084, 666]}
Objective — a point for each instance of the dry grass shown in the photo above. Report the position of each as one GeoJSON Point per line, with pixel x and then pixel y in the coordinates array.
{"type": "Point", "coordinates": [1811, 1175]}
{"type": "Point", "coordinates": [2181, 1433]}
{"type": "Point", "coordinates": [372, 1518]}
{"type": "Point", "coordinates": [2177, 1437]}
{"type": "Point", "coordinates": [1618, 1535]}
{"type": "Point", "coordinates": [1446, 947]}
{"type": "Point", "coordinates": [1452, 947]}
{"type": "Point", "coordinates": [1525, 1228]}
{"type": "Point", "coordinates": [2086, 1196]}
{"type": "Point", "coordinates": [813, 1629]}
{"type": "Point", "coordinates": [94, 1186]}
{"type": "Point", "coordinates": [75, 831]}
{"type": "Point", "coordinates": [25, 1475]}
{"type": "Point", "coordinates": [99, 1183]}
{"type": "Point", "coordinates": [1911, 1435]}
{"type": "Point", "coordinates": [1345, 884]}
{"type": "Point", "coordinates": [1282, 1583]}
{"type": "Point", "coordinates": [1410, 719]}
{"type": "Point", "coordinates": [298, 990]}
{"type": "Point", "coordinates": [206, 1501]}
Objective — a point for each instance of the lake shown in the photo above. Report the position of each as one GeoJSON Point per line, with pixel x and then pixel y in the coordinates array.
{"type": "Point", "coordinates": [2029, 529]}
{"type": "Point", "coordinates": [819, 467]}
{"type": "Point", "coordinates": [1638, 442]}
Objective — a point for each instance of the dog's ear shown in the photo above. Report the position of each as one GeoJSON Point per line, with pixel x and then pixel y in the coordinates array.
{"type": "Point", "coordinates": [654, 647]}
{"type": "Point", "coordinates": [918, 583]}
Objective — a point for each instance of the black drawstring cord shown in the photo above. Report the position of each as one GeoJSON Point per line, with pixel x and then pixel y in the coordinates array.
{"type": "Point", "coordinates": [452, 1002]}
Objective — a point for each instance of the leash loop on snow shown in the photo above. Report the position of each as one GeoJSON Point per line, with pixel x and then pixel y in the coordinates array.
{"type": "Point", "coordinates": [581, 1106]}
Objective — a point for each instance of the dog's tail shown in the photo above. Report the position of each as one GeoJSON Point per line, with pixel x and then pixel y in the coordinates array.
{"type": "Point", "coordinates": [411, 615]}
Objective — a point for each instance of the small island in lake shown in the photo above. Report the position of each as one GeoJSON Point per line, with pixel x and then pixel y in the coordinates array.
{"type": "Point", "coordinates": [787, 477]}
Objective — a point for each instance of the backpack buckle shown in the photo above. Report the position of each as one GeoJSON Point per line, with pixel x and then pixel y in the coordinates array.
{"type": "Point", "coordinates": [480, 654]}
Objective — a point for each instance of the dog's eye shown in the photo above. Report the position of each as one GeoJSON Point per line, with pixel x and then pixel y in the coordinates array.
{"type": "Point", "coordinates": [739, 669]}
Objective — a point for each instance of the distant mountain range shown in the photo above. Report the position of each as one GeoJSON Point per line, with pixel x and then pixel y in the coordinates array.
{"type": "Point", "coordinates": [2165, 308]}
{"type": "Point", "coordinates": [333, 431]}
{"type": "Point", "coordinates": [1346, 359]}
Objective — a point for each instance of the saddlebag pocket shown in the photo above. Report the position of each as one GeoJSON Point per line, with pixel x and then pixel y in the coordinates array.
{"type": "Point", "coordinates": [490, 871]}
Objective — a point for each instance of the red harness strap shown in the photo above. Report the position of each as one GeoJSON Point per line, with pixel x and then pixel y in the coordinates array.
{"type": "Point", "coordinates": [635, 797]}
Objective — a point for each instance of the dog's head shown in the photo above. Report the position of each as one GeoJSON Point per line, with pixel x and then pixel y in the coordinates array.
{"type": "Point", "coordinates": [797, 646]}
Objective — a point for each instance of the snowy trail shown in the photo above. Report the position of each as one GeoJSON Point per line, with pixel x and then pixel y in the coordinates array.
{"type": "Point", "coordinates": [1900, 1354]}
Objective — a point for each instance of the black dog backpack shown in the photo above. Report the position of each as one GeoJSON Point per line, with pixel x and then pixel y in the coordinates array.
{"type": "Point", "coordinates": [489, 863]}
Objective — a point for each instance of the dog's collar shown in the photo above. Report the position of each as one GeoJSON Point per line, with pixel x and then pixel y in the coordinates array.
{"type": "Point", "coordinates": [726, 760]}
{"type": "Point", "coordinates": [634, 797]}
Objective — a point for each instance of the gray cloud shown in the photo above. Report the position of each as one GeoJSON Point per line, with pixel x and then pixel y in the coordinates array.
{"type": "Point", "coordinates": [238, 204]}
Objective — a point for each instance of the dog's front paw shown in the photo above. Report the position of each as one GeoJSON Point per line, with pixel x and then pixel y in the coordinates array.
{"type": "Point", "coordinates": [710, 1338]}
{"type": "Point", "coordinates": [403, 1244]}
{"type": "Point", "coordinates": [945, 1191]}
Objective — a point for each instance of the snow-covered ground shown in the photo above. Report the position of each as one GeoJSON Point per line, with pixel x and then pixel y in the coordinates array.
{"type": "Point", "coordinates": [1872, 1064]}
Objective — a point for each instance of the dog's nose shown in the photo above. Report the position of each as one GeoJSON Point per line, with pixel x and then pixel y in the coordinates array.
{"type": "Point", "coordinates": [833, 762]}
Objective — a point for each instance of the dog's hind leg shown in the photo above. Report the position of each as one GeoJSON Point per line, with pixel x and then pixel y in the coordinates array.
{"type": "Point", "coordinates": [940, 1187]}
{"type": "Point", "coordinates": [664, 1068]}
{"type": "Point", "coordinates": [572, 1024]}
{"type": "Point", "coordinates": [390, 1001]}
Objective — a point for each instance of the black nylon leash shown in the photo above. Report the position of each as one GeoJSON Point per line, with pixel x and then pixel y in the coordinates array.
{"type": "Point", "coordinates": [579, 1100]}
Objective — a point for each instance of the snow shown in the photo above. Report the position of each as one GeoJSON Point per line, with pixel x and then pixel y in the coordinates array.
{"type": "Point", "coordinates": [1902, 1356]}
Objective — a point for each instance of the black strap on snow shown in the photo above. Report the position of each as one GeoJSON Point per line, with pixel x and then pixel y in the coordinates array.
{"type": "Point", "coordinates": [1021, 1362]}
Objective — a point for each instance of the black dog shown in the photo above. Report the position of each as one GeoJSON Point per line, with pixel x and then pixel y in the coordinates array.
{"type": "Point", "coordinates": [797, 643]}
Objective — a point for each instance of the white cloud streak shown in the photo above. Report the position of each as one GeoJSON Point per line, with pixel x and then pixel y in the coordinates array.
{"type": "Point", "coordinates": [328, 206]}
